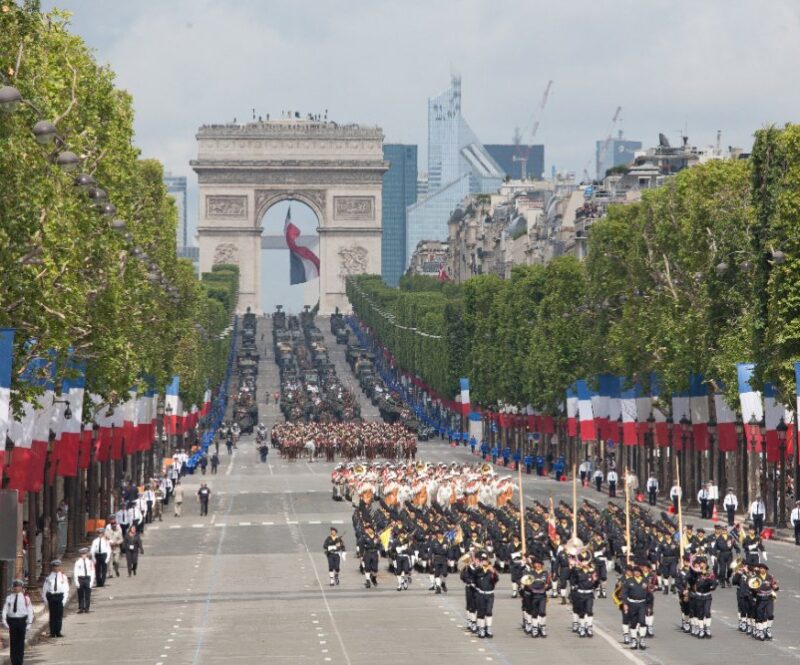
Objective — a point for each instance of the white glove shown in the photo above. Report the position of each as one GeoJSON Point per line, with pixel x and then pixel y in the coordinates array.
{"type": "Point", "coordinates": [765, 555]}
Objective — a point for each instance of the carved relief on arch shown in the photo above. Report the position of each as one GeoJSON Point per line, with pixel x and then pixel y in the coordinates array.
{"type": "Point", "coordinates": [316, 199]}
{"type": "Point", "coordinates": [226, 252]}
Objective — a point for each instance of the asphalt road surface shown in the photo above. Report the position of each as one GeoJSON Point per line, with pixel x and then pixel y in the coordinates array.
{"type": "Point", "coordinates": [248, 584]}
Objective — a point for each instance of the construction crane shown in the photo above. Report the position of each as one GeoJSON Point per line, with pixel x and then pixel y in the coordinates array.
{"type": "Point", "coordinates": [523, 154]}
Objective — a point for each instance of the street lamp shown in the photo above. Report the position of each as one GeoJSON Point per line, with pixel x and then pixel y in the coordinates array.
{"type": "Point", "coordinates": [651, 430]}
{"type": "Point", "coordinates": [44, 132]}
{"type": "Point", "coordinates": [10, 98]}
{"type": "Point", "coordinates": [67, 160]}
{"type": "Point", "coordinates": [67, 410]}
{"type": "Point", "coordinates": [741, 444]}
{"type": "Point", "coordinates": [686, 427]}
{"type": "Point", "coordinates": [780, 482]}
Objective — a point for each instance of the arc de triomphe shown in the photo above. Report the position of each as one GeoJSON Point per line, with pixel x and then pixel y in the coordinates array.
{"type": "Point", "coordinates": [243, 169]}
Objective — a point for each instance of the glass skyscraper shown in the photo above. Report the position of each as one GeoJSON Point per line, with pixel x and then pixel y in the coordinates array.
{"type": "Point", "coordinates": [458, 165]}
{"type": "Point", "coordinates": [399, 192]}
{"type": "Point", "coordinates": [176, 187]}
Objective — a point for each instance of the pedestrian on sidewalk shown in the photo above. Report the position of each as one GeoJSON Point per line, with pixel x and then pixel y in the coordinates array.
{"type": "Point", "coordinates": [158, 505]}
{"type": "Point", "coordinates": [203, 495]}
{"type": "Point", "coordinates": [56, 592]}
{"type": "Point", "coordinates": [214, 464]}
{"type": "Point", "coordinates": [115, 537]}
{"type": "Point", "coordinates": [652, 489]}
{"type": "Point", "coordinates": [133, 547]}
{"type": "Point", "coordinates": [178, 498]}
{"type": "Point", "coordinates": [795, 521]}
{"type": "Point", "coordinates": [83, 574]}
{"type": "Point", "coordinates": [731, 505]}
{"type": "Point", "coordinates": [17, 617]}
{"type": "Point", "coordinates": [101, 553]}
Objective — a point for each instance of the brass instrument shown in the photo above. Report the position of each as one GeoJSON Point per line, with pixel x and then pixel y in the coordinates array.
{"type": "Point", "coordinates": [525, 580]}
{"type": "Point", "coordinates": [359, 469]}
{"type": "Point", "coordinates": [463, 561]}
{"type": "Point", "coordinates": [574, 547]}
{"type": "Point", "coordinates": [754, 583]}
{"type": "Point", "coordinates": [736, 565]}
{"type": "Point", "coordinates": [696, 560]}
{"type": "Point", "coordinates": [486, 468]}
{"type": "Point", "coordinates": [616, 595]}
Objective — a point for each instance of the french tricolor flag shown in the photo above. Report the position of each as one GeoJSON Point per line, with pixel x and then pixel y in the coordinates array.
{"type": "Point", "coordinates": [680, 410]}
{"type": "Point", "coordinates": [67, 446]}
{"type": "Point", "coordinates": [600, 408]}
{"type": "Point", "coordinates": [774, 412]}
{"type": "Point", "coordinates": [303, 263]}
{"type": "Point", "coordinates": [630, 416]}
{"type": "Point", "coordinates": [614, 387]}
{"type": "Point", "coordinates": [698, 404]}
{"type": "Point", "coordinates": [6, 360]}
{"type": "Point", "coordinates": [206, 403]}
{"type": "Point", "coordinates": [129, 424]}
{"type": "Point", "coordinates": [464, 385]}
{"type": "Point", "coordinates": [644, 407]}
{"type": "Point", "coordinates": [661, 424]}
{"type": "Point", "coordinates": [572, 412]}
{"type": "Point", "coordinates": [726, 423]}
{"type": "Point", "coordinates": [103, 419]}
{"type": "Point", "coordinates": [752, 406]}
{"type": "Point", "coordinates": [585, 413]}
{"type": "Point", "coordinates": [172, 404]}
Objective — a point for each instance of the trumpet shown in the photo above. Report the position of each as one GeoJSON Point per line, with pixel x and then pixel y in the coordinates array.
{"type": "Point", "coordinates": [574, 547]}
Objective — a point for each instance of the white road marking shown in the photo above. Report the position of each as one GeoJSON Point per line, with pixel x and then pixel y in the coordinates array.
{"type": "Point", "coordinates": [198, 526]}
{"type": "Point", "coordinates": [175, 526]}
{"type": "Point", "coordinates": [245, 523]}
{"type": "Point", "coordinates": [267, 523]}
{"type": "Point", "coordinates": [230, 464]}
{"type": "Point", "coordinates": [314, 522]}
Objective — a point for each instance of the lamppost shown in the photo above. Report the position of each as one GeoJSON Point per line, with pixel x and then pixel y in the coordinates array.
{"type": "Point", "coordinates": [741, 475]}
{"type": "Point", "coordinates": [160, 452]}
{"type": "Point", "coordinates": [651, 449]}
{"type": "Point", "coordinates": [686, 427]}
{"type": "Point", "coordinates": [780, 480]}
{"type": "Point", "coordinates": [762, 428]}
{"type": "Point", "coordinates": [712, 437]}
{"type": "Point", "coordinates": [168, 412]}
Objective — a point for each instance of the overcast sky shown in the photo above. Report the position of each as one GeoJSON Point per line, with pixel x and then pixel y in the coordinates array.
{"type": "Point", "coordinates": [705, 65]}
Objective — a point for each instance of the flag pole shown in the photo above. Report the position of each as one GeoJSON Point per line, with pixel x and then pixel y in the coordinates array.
{"type": "Point", "coordinates": [521, 509]}
{"type": "Point", "coordinates": [574, 503]}
{"type": "Point", "coordinates": [627, 519]}
{"type": "Point", "coordinates": [680, 509]}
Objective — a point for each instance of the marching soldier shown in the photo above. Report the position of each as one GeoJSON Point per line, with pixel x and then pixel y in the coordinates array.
{"type": "Point", "coordinates": [368, 547]}
{"type": "Point", "coordinates": [516, 564]}
{"type": "Point", "coordinates": [536, 591]}
{"type": "Point", "coordinates": [401, 553]}
{"type": "Point", "coordinates": [439, 550]}
{"type": "Point", "coordinates": [702, 583]}
{"type": "Point", "coordinates": [56, 592]}
{"type": "Point", "coordinates": [17, 617]}
{"type": "Point", "coordinates": [764, 587]}
{"type": "Point", "coordinates": [333, 548]}
{"type": "Point", "coordinates": [752, 545]}
{"type": "Point", "coordinates": [485, 581]}
{"type": "Point", "coordinates": [583, 581]}
{"type": "Point", "coordinates": [635, 591]}
{"type": "Point", "coordinates": [468, 575]}
{"type": "Point", "coordinates": [723, 549]}
{"type": "Point", "coordinates": [745, 604]}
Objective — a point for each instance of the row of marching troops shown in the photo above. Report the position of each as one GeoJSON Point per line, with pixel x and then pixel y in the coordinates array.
{"type": "Point", "coordinates": [350, 440]}
{"type": "Point", "coordinates": [564, 559]}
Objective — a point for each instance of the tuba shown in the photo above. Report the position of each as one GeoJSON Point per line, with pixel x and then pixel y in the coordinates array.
{"type": "Point", "coordinates": [463, 561]}
{"type": "Point", "coordinates": [486, 468]}
{"type": "Point", "coordinates": [574, 546]}
{"type": "Point", "coordinates": [421, 466]}
{"type": "Point", "coordinates": [754, 583]}
{"type": "Point", "coordinates": [359, 469]}
{"type": "Point", "coordinates": [526, 580]}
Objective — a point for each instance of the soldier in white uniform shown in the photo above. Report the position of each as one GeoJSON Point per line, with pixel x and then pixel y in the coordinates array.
{"type": "Point", "coordinates": [17, 617]}
{"type": "Point", "coordinates": [56, 592]}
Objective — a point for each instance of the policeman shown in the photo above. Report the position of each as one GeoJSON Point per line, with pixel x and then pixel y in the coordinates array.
{"type": "Point", "coordinates": [795, 521]}
{"type": "Point", "coordinates": [56, 592]}
{"type": "Point", "coordinates": [17, 617]}
{"type": "Point", "coordinates": [730, 503]}
{"type": "Point", "coordinates": [333, 548]}
{"type": "Point", "coordinates": [83, 575]}
{"type": "Point", "coordinates": [652, 489]}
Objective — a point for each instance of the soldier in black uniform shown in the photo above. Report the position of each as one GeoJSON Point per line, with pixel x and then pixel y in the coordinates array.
{"type": "Point", "coordinates": [401, 553]}
{"type": "Point", "coordinates": [668, 552]}
{"type": "Point", "coordinates": [583, 582]}
{"type": "Point", "coordinates": [752, 545]}
{"type": "Point", "coordinates": [702, 583]}
{"type": "Point", "coordinates": [635, 591]}
{"type": "Point", "coordinates": [333, 548]}
{"type": "Point", "coordinates": [534, 598]}
{"type": "Point", "coordinates": [682, 587]}
{"type": "Point", "coordinates": [745, 603]}
{"type": "Point", "coordinates": [723, 548]}
{"type": "Point", "coordinates": [439, 550]}
{"type": "Point", "coordinates": [600, 551]}
{"type": "Point", "coordinates": [468, 578]}
{"type": "Point", "coordinates": [765, 589]}
{"type": "Point", "coordinates": [368, 547]}
{"type": "Point", "coordinates": [516, 564]}
{"type": "Point", "coordinates": [485, 581]}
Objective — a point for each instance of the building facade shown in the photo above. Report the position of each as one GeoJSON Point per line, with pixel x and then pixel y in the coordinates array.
{"type": "Point", "coordinates": [458, 165]}
{"type": "Point", "coordinates": [614, 152]}
{"type": "Point", "coordinates": [428, 258]}
{"type": "Point", "coordinates": [176, 188]}
{"type": "Point", "coordinates": [512, 158]}
{"type": "Point", "coordinates": [399, 192]}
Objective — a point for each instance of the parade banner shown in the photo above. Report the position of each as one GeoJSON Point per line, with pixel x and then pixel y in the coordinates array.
{"type": "Point", "coordinates": [698, 406]}
{"type": "Point", "coordinates": [585, 412]}
{"type": "Point", "coordinates": [752, 406]}
{"type": "Point", "coordinates": [572, 411]}
{"type": "Point", "coordinates": [726, 423]}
